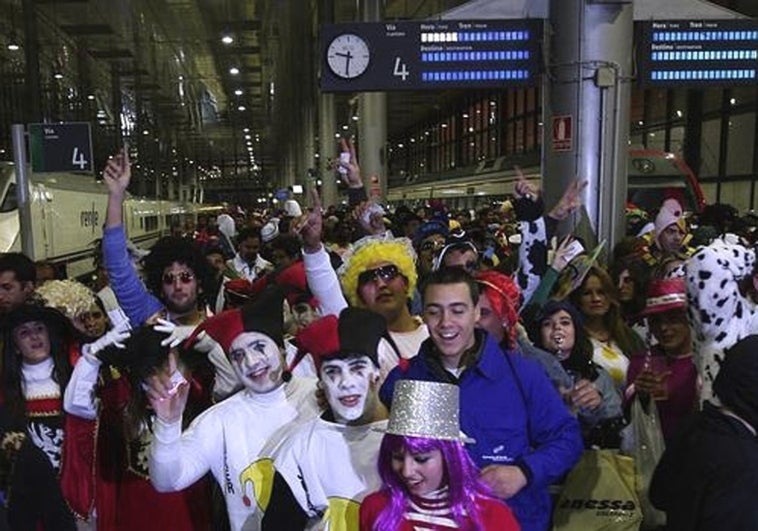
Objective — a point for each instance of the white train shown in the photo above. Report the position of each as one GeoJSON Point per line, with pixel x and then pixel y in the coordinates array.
{"type": "Point", "coordinates": [652, 175]}
{"type": "Point", "coordinates": [68, 212]}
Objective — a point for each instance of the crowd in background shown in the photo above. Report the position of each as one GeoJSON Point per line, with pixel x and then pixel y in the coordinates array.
{"type": "Point", "coordinates": [240, 373]}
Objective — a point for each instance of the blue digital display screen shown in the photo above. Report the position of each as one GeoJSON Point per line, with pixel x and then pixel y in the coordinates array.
{"type": "Point", "coordinates": [696, 53]}
{"type": "Point", "coordinates": [425, 55]}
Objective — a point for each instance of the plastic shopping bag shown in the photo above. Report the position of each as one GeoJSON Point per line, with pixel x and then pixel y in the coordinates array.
{"type": "Point", "coordinates": [599, 495]}
{"type": "Point", "coordinates": [643, 440]}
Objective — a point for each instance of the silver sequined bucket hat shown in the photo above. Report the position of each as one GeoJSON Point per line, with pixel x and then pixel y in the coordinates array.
{"type": "Point", "coordinates": [426, 409]}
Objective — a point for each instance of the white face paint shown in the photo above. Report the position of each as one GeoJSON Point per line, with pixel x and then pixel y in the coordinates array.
{"type": "Point", "coordinates": [257, 361]}
{"type": "Point", "coordinates": [347, 383]}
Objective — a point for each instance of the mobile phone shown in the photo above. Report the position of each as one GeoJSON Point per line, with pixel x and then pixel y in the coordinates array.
{"type": "Point", "coordinates": [574, 249]}
{"type": "Point", "coordinates": [344, 161]}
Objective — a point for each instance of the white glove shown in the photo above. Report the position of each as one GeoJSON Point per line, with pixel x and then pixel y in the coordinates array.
{"type": "Point", "coordinates": [177, 334]}
{"type": "Point", "coordinates": [114, 337]}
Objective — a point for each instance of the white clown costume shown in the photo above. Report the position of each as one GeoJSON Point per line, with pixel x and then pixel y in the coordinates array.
{"type": "Point", "coordinates": [329, 463]}
{"type": "Point", "coordinates": [229, 438]}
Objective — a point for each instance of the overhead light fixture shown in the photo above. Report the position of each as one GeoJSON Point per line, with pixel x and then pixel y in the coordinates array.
{"type": "Point", "coordinates": [13, 45]}
{"type": "Point", "coordinates": [246, 130]}
{"type": "Point", "coordinates": [90, 97]}
{"type": "Point", "coordinates": [234, 70]}
{"type": "Point", "coordinates": [248, 137]}
{"type": "Point", "coordinates": [241, 108]}
{"type": "Point", "coordinates": [58, 75]}
{"type": "Point", "coordinates": [238, 92]}
{"type": "Point", "coordinates": [227, 39]}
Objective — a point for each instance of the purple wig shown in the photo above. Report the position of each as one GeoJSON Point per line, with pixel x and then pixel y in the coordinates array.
{"type": "Point", "coordinates": [461, 474]}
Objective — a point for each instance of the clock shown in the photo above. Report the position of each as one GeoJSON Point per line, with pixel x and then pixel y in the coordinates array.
{"type": "Point", "coordinates": [348, 55]}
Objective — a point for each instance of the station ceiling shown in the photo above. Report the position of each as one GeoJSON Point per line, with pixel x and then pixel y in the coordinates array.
{"type": "Point", "coordinates": [179, 81]}
{"type": "Point", "coordinates": [181, 84]}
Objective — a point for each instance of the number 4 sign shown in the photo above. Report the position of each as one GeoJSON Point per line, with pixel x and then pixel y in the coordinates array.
{"type": "Point", "coordinates": [400, 70]}
{"type": "Point", "coordinates": [63, 147]}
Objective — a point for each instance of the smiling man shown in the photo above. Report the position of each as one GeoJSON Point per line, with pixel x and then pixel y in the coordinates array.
{"type": "Point", "coordinates": [228, 439]}
{"type": "Point", "coordinates": [526, 439]}
{"type": "Point", "coordinates": [329, 464]}
{"type": "Point", "coordinates": [177, 276]}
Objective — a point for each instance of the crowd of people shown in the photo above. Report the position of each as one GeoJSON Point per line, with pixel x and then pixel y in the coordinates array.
{"type": "Point", "coordinates": [359, 369]}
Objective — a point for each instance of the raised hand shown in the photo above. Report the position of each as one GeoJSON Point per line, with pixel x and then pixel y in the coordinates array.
{"type": "Point", "coordinates": [167, 391]}
{"type": "Point", "coordinates": [114, 337]}
{"type": "Point", "coordinates": [371, 217]}
{"type": "Point", "coordinates": [523, 188]}
{"type": "Point", "coordinates": [118, 173]}
{"type": "Point", "coordinates": [176, 334]}
{"type": "Point", "coordinates": [570, 201]}
{"type": "Point", "coordinates": [352, 177]}
{"type": "Point", "coordinates": [563, 254]}
{"type": "Point", "coordinates": [311, 225]}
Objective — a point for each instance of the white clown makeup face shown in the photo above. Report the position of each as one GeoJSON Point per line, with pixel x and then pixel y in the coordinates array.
{"type": "Point", "coordinates": [257, 361]}
{"type": "Point", "coordinates": [350, 386]}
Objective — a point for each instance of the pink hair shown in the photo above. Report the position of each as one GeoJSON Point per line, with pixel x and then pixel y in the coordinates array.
{"type": "Point", "coordinates": [461, 474]}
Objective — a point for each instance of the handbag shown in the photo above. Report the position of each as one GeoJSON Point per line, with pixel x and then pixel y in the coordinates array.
{"type": "Point", "coordinates": [643, 440]}
{"type": "Point", "coordinates": [599, 495]}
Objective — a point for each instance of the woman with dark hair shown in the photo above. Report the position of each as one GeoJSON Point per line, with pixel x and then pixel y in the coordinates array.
{"type": "Point", "coordinates": [125, 499]}
{"type": "Point", "coordinates": [428, 478]}
{"type": "Point", "coordinates": [631, 277]}
{"type": "Point", "coordinates": [36, 373]}
{"type": "Point", "coordinates": [559, 330]}
{"type": "Point", "coordinates": [613, 341]}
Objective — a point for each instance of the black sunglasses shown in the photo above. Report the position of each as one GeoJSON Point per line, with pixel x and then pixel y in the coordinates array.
{"type": "Point", "coordinates": [185, 277]}
{"type": "Point", "coordinates": [386, 273]}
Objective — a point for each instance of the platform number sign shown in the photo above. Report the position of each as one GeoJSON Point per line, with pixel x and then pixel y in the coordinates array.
{"type": "Point", "coordinates": [61, 147]}
{"type": "Point", "coordinates": [433, 55]}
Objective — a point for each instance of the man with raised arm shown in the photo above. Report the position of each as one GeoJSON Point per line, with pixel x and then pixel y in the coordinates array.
{"type": "Point", "coordinates": [175, 272]}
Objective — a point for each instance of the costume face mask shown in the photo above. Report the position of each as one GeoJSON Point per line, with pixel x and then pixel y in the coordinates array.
{"type": "Point", "coordinates": [257, 361]}
{"type": "Point", "coordinates": [347, 384]}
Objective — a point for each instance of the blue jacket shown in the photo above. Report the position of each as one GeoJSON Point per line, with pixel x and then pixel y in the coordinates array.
{"type": "Point", "coordinates": [138, 303]}
{"type": "Point", "coordinates": [526, 425]}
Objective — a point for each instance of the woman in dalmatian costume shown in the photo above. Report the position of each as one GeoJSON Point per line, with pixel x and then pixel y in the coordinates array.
{"type": "Point", "coordinates": [719, 312]}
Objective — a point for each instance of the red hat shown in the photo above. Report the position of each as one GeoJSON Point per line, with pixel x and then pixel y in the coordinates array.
{"type": "Point", "coordinates": [295, 285]}
{"type": "Point", "coordinates": [356, 332]}
{"type": "Point", "coordinates": [264, 315]}
{"type": "Point", "coordinates": [666, 294]}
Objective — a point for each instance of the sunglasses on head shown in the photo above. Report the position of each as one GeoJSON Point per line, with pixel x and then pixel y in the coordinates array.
{"type": "Point", "coordinates": [185, 277]}
{"type": "Point", "coordinates": [386, 273]}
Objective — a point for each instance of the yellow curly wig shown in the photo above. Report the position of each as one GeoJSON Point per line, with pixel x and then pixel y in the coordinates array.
{"type": "Point", "coordinates": [398, 251]}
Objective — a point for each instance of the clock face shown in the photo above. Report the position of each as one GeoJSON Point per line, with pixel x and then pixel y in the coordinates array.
{"type": "Point", "coordinates": [348, 55]}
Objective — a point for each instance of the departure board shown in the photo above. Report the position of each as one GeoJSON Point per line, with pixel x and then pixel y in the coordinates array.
{"type": "Point", "coordinates": [692, 53]}
{"type": "Point", "coordinates": [432, 55]}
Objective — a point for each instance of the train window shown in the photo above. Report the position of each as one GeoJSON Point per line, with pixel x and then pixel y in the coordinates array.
{"type": "Point", "coordinates": [151, 223]}
{"type": "Point", "coordinates": [9, 201]}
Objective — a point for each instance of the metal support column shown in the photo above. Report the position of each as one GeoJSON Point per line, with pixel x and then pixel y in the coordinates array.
{"type": "Point", "coordinates": [327, 149]}
{"type": "Point", "coordinates": [18, 133]}
{"type": "Point", "coordinates": [372, 124]}
{"type": "Point", "coordinates": [589, 80]}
